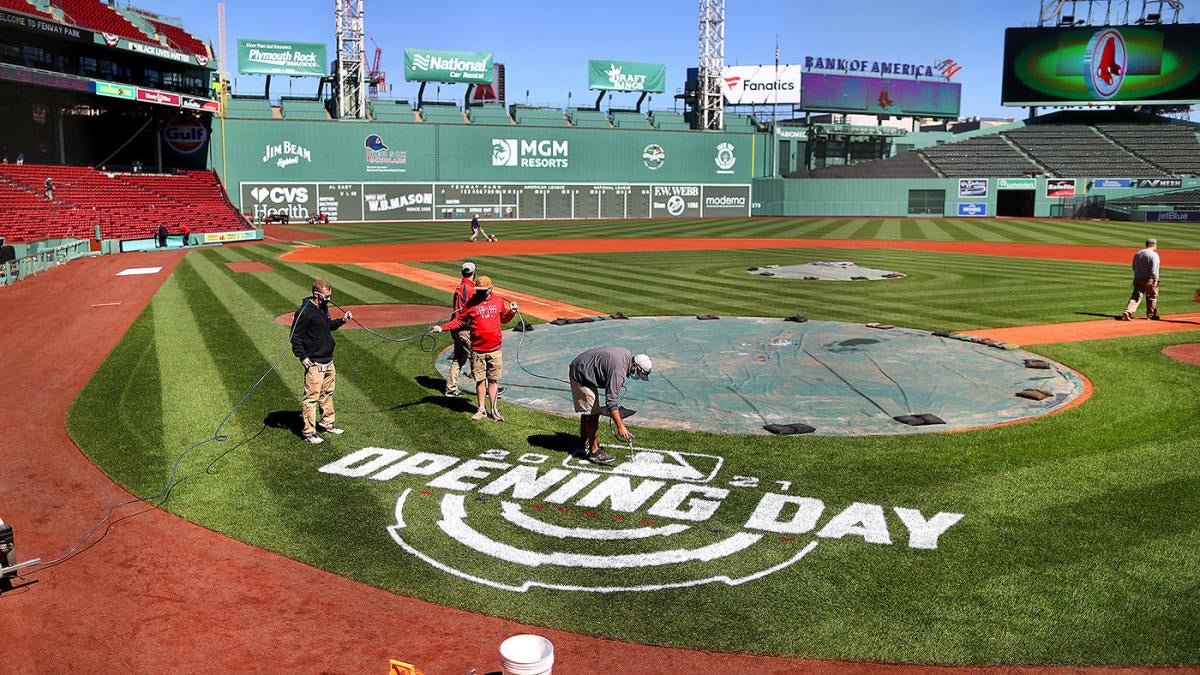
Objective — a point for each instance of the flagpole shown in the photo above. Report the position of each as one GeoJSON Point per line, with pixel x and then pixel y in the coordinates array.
{"type": "Point", "coordinates": [775, 110]}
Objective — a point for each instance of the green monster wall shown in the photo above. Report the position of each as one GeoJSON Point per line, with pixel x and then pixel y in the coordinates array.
{"type": "Point", "coordinates": [368, 170]}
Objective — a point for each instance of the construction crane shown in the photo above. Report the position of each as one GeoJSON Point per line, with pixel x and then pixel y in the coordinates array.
{"type": "Point", "coordinates": [376, 78]}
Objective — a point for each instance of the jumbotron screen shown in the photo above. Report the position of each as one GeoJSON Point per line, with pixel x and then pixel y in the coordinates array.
{"type": "Point", "coordinates": [879, 96]}
{"type": "Point", "coordinates": [1100, 65]}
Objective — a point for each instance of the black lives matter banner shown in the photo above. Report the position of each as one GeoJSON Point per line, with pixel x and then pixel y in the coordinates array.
{"type": "Point", "coordinates": [370, 202]}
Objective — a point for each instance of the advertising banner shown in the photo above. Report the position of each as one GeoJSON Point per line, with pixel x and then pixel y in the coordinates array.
{"type": "Point", "coordinates": [1016, 183]}
{"type": "Point", "coordinates": [972, 187]}
{"type": "Point", "coordinates": [389, 202]}
{"type": "Point", "coordinates": [879, 96]}
{"type": "Point", "coordinates": [1060, 187]}
{"type": "Point", "coordinates": [1112, 183]}
{"type": "Point", "coordinates": [1159, 182]}
{"type": "Point", "coordinates": [269, 57]}
{"type": "Point", "coordinates": [627, 76]}
{"type": "Point", "coordinates": [1173, 216]}
{"type": "Point", "coordinates": [1101, 64]}
{"type": "Point", "coordinates": [972, 209]}
{"type": "Point", "coordinates": [437, 65]}
{"type": "Point", "coordinates": [761, 85]}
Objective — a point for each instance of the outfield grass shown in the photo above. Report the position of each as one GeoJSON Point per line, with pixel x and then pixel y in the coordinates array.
{"type": "Point", "coordinates": [1078, 539]}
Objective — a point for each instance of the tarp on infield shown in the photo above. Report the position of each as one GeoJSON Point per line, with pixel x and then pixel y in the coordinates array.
{"type": "Point", "coordinates": [821, 270]}
{"type": "Point", "coordinates": [739, 374]}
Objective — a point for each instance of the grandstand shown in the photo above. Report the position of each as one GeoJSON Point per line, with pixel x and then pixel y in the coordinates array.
{"type": "Point", "coordinates": [99, 16]}
{"type": "Point", "coordinates": [588, 118]}
{"type": "Point", "coordinates": [442, 113]}
{"type": "Point", "coordinates": [303, 109]}
{"type": "Point", "coordinates": [539, 117]}
{"type": "Point", "coordinates": [395, 111]}
{"type": "Point", "coordinates": [253, 107]}
{"type": "Point", "coordinates": [628, 119]}
{"type": "Point", "coordinates": [986, 155]}
{"type": "Point", "coordinates": [122, 205]}
{"type": "Point", "coordinates": [667, 120]}
{"type": "Point", "coordinates": [488, 114]}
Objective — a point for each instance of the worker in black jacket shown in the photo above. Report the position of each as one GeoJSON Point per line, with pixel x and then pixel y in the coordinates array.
{"type": "Point", "coordinates": [313, 344]}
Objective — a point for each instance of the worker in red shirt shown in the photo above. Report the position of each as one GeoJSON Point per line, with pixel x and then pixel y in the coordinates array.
{"type": "Point", "coordinates": [484, 315]}
{"type": "Point", "coordinates": [461, 336]}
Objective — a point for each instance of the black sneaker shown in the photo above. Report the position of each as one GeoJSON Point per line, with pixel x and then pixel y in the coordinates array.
{"type": "Point", "coordinates": [599, 457]}
{"type": "Point", "coordinates": [1153, 317]}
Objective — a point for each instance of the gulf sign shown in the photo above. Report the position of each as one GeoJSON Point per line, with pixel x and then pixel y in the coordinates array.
{"type": "Point", "coordinates": [185, 135]}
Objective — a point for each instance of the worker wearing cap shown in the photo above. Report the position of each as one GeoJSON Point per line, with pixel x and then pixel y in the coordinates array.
{"type": "Point", "coordinates": [1145, 282]}
{"type": "Point", "coordinates": [603, 368]}
{"type": "Point", "coordinates": [461, 336]}
{"type": "Point", "coordinates": [484, 315]}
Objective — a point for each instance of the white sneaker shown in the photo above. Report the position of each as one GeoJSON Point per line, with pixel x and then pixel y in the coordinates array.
{"type": "Point", "coordinates": [479, 414]}
{"type": "Point", "coordinates": [336, 431]}
{"type": "Point", "coordinates": [314, 439]}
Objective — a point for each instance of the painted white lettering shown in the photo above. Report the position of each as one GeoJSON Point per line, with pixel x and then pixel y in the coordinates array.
{"type": "Point", "coordinates": [620, 493]}
{"type": "Point", "coordinates": [767, 514]}
{"type": "Point", "coordinates": [698, 510]}
{"type": "Point", "coordinates": [572, 487]}
{"type": "Point", "coordinates": [524, 482]}
{"type": "Point", "coordinates": [371, 459]}
{"type": "Point", "coordinates": [419, 464]}
{"type": "Point", "coordinates": [472, 468]}
{"type": "Point", "coordinates": [864, 520]}
{"type": "Point", "coordinates": [924, 533]}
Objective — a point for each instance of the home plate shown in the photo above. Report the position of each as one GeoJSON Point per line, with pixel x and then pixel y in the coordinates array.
{"type": "Point", "coordinates": [139, 270]}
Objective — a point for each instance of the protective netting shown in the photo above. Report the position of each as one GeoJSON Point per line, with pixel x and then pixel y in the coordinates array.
{"type": "Point", "coordinates": [822, 270]}
{"type": "Point", "coordinates": [740, 374]}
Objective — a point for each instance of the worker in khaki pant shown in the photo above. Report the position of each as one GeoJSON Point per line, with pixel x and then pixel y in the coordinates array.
{"type": "Point", "coordinates": [1145, 282]}
{"type": "Point", "coordinates": [313, 344]}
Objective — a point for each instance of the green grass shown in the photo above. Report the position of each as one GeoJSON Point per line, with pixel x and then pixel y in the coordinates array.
{"type": "Point", "coordinates": [1079, 537]}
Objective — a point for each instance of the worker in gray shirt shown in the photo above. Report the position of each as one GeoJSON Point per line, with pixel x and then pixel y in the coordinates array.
{"type": "Point", "coordinates": [603, 368]}
{"type": "Point", "coordinates": [1145, 282]}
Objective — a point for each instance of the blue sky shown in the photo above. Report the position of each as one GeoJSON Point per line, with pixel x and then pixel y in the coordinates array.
{"type": "Point", "coordinates": [545, 46]}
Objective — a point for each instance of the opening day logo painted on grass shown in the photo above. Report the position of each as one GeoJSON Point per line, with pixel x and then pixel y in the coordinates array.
{"type": "Point", "coordinates": [503, 519]}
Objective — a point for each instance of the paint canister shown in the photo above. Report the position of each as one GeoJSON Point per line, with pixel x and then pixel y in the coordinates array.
{"type": "Point", "coordinates": [527, 655]}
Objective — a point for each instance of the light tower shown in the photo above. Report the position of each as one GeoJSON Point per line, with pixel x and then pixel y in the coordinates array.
{"type": "Point", "coordinates": [350, 87]}
{"type": "Point", "coordinates": [712, 64]}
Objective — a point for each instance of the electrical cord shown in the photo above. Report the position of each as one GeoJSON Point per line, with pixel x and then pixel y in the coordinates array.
{"type": "Point", "coordinates": [159, 497]}
{"type": "Point", "coordinates": [166, 490]}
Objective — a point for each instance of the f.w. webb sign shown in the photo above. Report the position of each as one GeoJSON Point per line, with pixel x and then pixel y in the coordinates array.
{"type": "Point", "coordinates": [516, 521]}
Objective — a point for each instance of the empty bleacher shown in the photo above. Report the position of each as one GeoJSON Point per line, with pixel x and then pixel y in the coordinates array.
{"type": "Point", "coordinates": [628, 119]}
{"type": "Point", "coordinates": [539, 117]}
{"type": "Point", "coordinates": [124, 206]}
{"type": "Point", "coordinates": [588, 118]}
{"type": "Point", "coordinates": [986, 155]}
{"type": "Point", "coordinates": [489, 114]}
{"type": "Point", "coordinates": [303, 109]}
{"type": "Point", "coordinates": [252, 107]}
{"type": "Point", "coordinates": [1079, 150]}
{"type": "Point", "coordinates": [178, 38]}
{"type": "Point", "coordinates": [23, 6]}
{"type": "Point", "coordinates": [739, 122]}
{"type": "Point", "coordinates": [1172, 147]}
{"type": "Point", "coordinates": [98, 16]}
{"type": "Point", "coordinates": [393, 111]}
{"type": "Point", "coordinates": [1179, 199]}
{"type": "Point", "coordinates": [442, 113]}
{"type": "Point", "coordinates": [905, 165]}
{"type": "Point", "coordinates": [660, 119]}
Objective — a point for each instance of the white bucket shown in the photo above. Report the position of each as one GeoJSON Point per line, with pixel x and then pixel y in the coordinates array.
{"type": "Point", "coordinates": [527, 655]}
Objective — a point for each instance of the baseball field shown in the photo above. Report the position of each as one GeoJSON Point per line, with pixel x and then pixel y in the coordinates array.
{"type": "Point", "coordinates": [1064, 540]}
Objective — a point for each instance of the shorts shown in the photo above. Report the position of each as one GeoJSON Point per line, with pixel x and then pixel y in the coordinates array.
{"type": "Point", "coordinates": [488, 366]}
{"type": "Point", "coordinates": [585, 398]}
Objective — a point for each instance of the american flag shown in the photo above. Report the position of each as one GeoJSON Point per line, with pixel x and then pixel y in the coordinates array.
{"type": "Point", "coordinates": [948, 67]}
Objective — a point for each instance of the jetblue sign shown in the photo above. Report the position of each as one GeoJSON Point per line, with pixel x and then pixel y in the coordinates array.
{"type": "Point", "coordinates": [1173, 216]}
